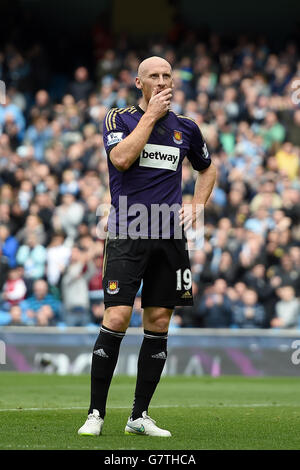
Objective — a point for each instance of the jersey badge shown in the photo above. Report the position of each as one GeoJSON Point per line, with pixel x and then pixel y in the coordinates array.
{"type": "Point", "coordinates": [177, 137]}
{"type": "Point", "coordinates": [113, 287]}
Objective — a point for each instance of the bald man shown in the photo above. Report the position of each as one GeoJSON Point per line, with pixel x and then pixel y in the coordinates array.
{"type": "Point", "coordinates": [145, 147]}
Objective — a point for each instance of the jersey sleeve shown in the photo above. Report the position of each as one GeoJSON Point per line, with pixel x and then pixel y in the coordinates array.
{"type": "Point", "coordinates": [198, 153]}
{"type": "Point", "coordinates": [114, 129]}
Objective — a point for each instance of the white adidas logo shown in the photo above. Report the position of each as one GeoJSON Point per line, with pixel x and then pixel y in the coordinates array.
{"type": "Point", "coordinates": [101, 353]}
{"type": "Point", "coordinates": [161, 355]}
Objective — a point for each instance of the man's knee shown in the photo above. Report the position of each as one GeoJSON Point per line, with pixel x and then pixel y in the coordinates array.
{"type": "Point", "coordinates": [157, 319]}
{"type": "Point", "coordinates": [117, 318]}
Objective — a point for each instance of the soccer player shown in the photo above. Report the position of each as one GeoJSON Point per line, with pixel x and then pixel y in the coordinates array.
{"type": "Point", "coordinates": [145, 146]}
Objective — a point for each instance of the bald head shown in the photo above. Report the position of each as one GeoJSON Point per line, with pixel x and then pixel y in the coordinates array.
{"type": "Point", "coordinates": [154, 76]}
{"type": "Point", "coordinates": [152, 63]}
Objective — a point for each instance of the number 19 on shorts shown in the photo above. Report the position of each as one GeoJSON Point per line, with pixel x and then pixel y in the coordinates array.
{"type": "Point", "coordinates": [184, 279]}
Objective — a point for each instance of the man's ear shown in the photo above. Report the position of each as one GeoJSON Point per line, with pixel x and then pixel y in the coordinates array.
{"type": "Point", "coordinates": [138, 83]}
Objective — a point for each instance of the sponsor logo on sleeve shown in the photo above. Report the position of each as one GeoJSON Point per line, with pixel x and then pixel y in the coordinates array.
{"type": "Point", "coordinates": [160, 156]}
{"type": "Point", "coordinates": [114, 138]}
{"type": "Point", "coordinates": [205, 151]}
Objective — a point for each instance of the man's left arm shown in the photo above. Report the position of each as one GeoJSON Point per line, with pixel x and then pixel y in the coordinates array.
{"type": "Point", "coordinates": [204, 184]}
{"type": "Point", "coordinates": [203, 188]}
{"type": "Point", "coordinates": [200, 159]}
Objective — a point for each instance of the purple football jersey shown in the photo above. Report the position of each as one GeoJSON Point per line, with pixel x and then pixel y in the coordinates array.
{"type": "Point", "coordinates": [154, 180]}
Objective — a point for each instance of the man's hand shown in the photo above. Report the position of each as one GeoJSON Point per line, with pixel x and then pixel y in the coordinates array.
{"type": "Point", "coordinates": [189, 214]}
{"type": "Point", "coordinates": [159, 103]}
{"type": "Point", "coordinates": [277, 323]}
{"type": "Point", "coordinates": [30, 313]}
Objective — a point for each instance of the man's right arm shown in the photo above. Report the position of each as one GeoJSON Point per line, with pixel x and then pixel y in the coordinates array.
{"type": "Point", "coordinates": [124, 154]}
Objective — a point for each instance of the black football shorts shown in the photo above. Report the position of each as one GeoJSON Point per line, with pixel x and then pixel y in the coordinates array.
{"type": "Point", "coordinates": [161, 264]}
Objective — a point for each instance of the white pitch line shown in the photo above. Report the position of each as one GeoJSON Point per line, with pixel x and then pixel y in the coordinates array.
{"type": "Point", "coordinates": [225, 405]}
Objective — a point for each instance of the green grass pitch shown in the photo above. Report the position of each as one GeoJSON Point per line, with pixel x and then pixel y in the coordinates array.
{"type": "Point", "coordinates": [45, 411]}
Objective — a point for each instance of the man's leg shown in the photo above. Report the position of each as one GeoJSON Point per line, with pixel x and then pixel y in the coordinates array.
{"type": "Point", "coordinates": [105, 354]}
{"type": "Point", "coordinates": [152, 357]}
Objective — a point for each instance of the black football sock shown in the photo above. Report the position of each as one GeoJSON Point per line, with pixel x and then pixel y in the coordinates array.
{"type": "Point", "coordinates": [152, 358]}
{"type": "Point", "coordinates": [105, 357]}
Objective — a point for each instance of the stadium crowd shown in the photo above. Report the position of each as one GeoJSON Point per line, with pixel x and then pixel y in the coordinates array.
{"type": "Point", "coordinates": [53, 177]}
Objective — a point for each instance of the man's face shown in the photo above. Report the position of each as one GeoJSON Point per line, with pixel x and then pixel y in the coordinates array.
{"type": "Point", "coordinates": [68, 199]}
{"type": "Point", "coordinates": [40, 289]}
{"type": "Point", "coordinates": [156, 77]}
{"type": "Point", "coordinates": [4, 232]}
{"type": "Point", "coordinates": [81, 74]}
{"type": "Point", "coordinates": [249, 297]}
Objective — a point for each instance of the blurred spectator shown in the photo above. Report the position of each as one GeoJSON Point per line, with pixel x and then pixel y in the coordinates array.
{"type": "Point", "coordinates": [293, 130]}
{"type": "Point", "coordinates": [17, 98]}
{"type": "Point", "coordinates": [74, 286]}
{"type": "Point", "coordinates": [69, 183]}
{"type": "Point", "coordinates": [9, 245]}
{"type": "Point", "coordinates": [175, 322]}
{"type": "Point", "coordinates": [45, 316]}
{"type": "Point", "coordinates": [68, 215]}
{"type": "Point", "coordinates": [235, 293]}
{"type": "Point", "coordinates": [39, 135]}
{"type": "Point", "coordinates": [271, 130]}
{"type": "Point", "coordinates": [4, 268]}
{"type": "Point", "coordinates": [285, 272]}
{"type": "Point", "coordinates": [33, 226]}
{"type": "Point", "coordinates": [251, 250]}
{"type": "Point", "coordinates": [260, 222]}
{"type": "Point", "coordinates": [95, 282]}
{"type": "Point", "coordinates": [219, 244]}
{"type": "Point", "coordinates": [287, 158]}
{"type": "Point", "coordinates": [249, 313]}
{"type": "Point", "coordinates": [215, 306]}
{"type": "Point", "coordinates": [294, 253]}
{"type": "Point", "coordinates": [10, 111]}
{"type": "Point", "coordinates": [14, 289]}
{"type": "Point", "coordinates": [267, 197]}
{"type": "Point", "coordinates": [97, 312]}
{"type": "Point", "coordinates": [81, 86]}
{"type": "Point", "coordinates": [25, 194]}
{"type": "Point", "coordinates": [58, 255]}
{"type": "Point", "coordinates": [16, 316]}
{"type": "Point", "coordinates": [42, 105]}
{"type": "Point", "coordinates": [257, 280]}
{"type": "Point", "coordinates": [226, 269]}
{"type": "Point", "coordinates": [45, 208]}
{"type": "Point", "coordinates": [42, 308]}
{"type": "Point", "coordinates": [287, 309]}
{"type": "Point", "coordinates": [32, 255]}
{"type": "Point", "coordinates": [108, 66]}
{"type": "Point", "coordinates": [90, 214]}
